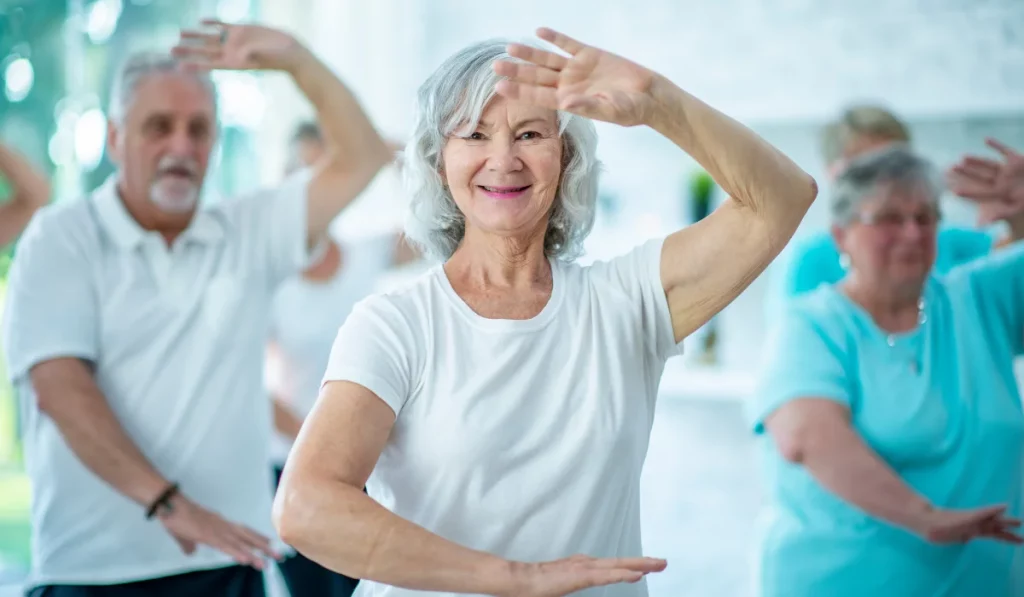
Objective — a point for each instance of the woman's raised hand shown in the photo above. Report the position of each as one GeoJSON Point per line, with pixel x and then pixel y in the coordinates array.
{"type": "Point", "coordinates": [589, 81]}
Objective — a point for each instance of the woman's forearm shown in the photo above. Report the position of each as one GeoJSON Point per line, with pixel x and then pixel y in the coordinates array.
{"type": "Point", "coordinates": [341, 528]}
{"type": "Point", "coordinates": [349, 136]}
{"type": "Point", "coordinates": [749, 169]}
{"type": "Point", "coordinates": [840, 460]}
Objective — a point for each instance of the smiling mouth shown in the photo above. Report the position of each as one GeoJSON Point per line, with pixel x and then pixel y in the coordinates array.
{"type": "Point", "coordinates": [504, 191]}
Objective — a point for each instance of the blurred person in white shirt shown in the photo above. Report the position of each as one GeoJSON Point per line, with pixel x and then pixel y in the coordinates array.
{"type": "Point", "coordinates": [135, 332]}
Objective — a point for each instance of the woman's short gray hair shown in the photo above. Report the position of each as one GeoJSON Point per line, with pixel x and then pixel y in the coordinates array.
{"type": "Point", "coordinates": [455, 97]}
{"type": "Point", "coordinates": [893, 166]}
{"type": "Point", "coordinates": [136, 68]}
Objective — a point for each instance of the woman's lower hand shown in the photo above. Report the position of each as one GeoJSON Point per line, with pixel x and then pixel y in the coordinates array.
{"type": "Point", "coordinates": [567, 576]}
{"type": "Point", "coordinates": [961, 526]}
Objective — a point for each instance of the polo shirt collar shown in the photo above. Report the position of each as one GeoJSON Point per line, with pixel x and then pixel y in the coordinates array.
{"type": "Point", "coordinates": [205, 227]}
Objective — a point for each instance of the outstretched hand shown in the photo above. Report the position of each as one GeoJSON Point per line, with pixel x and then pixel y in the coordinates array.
{"type": "Point", "coordinates": [238, 47]}
{"type": "Point", "coordinates": [589, 82]}
{"type": "Point", "coordinates": [570, 575]}
{"type": "Point", "coordinates": [997, 187]}
{"type": "Point", "coordinates": [961, 526]}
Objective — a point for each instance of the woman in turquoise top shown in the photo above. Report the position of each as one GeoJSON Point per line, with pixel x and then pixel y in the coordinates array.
{"type": "Point", "coordinates": [895, 433]}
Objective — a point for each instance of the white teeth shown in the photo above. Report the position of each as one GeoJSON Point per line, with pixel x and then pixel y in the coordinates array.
{"type": "Point", "coordinates": [511, 190]}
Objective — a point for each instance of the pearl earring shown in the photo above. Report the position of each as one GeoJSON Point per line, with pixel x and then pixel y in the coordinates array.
{"type": "Point", "coordinates": [844, 261]}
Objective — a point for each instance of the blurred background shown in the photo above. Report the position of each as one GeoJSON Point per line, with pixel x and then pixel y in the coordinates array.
{"type": "Point", "coordinates": [953, 69]}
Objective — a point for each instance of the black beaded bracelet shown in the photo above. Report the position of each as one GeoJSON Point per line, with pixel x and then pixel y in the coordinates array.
{"type": "Point", "coordinates": [162, 500]}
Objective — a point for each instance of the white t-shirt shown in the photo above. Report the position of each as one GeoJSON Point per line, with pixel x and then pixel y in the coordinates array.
{"type": "Point", "coordinates": [526, 438]}
{"type": "Point", "coordinates": [305, 320]}
{"type": "Point", "coordinates": [177, 337]}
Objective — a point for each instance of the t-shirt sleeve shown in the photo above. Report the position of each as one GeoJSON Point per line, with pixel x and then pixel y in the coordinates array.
{"type": "Point", "coordinates": [272, 228]}
{"type": "Point", "coordinates": [997, 283]}
{"type": "Point", "coordinates": [638, 275]}
{"type": "Point", "coordinates": [375, 349]}
{"type": "Point", "coordinates": [812, 263]}
{"type": "Point", "coordinates": [51, 308]}
{"type": "Point", "coordinates": [802, 360]}
{"type": "Point", "coordinates": [965, 245]}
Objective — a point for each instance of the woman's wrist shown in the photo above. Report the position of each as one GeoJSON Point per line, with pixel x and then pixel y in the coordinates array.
{"type": "Point", "coordinates": [918, 516]}
{"type": "Point", "coordinates": [666, 100]}
{"type": "Point", "coordinates": [500, 577]}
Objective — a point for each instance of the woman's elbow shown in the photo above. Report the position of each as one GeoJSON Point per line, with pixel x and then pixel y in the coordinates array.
{"type": "Point", "coordinates": [284, 515]}
{"type": "Point", "coordinates": [811, 189]}
{"type": "Point", "coordinates": [791, 448]}
{"type": "Point", "coordinates": [295, 512]}
{"type": "Point", "coordinates": [794, 436]}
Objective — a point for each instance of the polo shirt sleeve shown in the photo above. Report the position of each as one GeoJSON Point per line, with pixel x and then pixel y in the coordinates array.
{"type": "Point", "coordinates": [803, 359]}
{"type": "Point", "coordinates": [638, 275]}
{"type": "Point", "coordinates": [377, 349]}
{"type": "Point", "coordinates": [271, 228]}
{"type": "Point", "coordinates": [51, 307]}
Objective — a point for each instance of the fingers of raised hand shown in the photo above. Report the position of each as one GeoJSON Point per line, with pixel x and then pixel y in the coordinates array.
{"type": "Point", "coordinates": [980, 168]}
{"type": "Point", "coordinates": [534, 94]}
{"type": "Point", "coordinates": [1007, 151]}
{"type": "Point", "coordinates": [538, 56]}
{"type": "Point", "coordinates": [197, 55]}
{"type": "Point", "coordinates": [199, 48]}
{"type": "Point", "coordinates": [969, 186]}
{"type": "Point", "coordinates": [561, 40]}
{"type": "Point", "coordinates": [527, 73]}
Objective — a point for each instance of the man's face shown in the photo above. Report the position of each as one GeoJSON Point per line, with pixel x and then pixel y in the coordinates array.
{"type": "Point", "coordinates": [163, 145]}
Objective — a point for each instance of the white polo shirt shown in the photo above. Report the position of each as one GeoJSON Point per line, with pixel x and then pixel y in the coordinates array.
{"type": "Point", "coordinates": [177, 337]}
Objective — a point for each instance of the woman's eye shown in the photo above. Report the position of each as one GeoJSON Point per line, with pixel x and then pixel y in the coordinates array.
{"type": "Point", "coordinates": [476, 136]}
{"type": "Point", "coordinates": [530, 135]}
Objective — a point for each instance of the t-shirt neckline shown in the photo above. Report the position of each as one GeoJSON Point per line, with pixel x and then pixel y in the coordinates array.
{"type": "Point", "coordinates": [507, 325]}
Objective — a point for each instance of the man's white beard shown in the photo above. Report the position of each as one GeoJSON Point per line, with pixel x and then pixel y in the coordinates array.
{"type": "Point", "coordinates": [173, 195]}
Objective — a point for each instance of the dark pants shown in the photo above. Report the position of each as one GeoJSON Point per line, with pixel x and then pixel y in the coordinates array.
{"type": "Point", "coordinates": [305, 577]}
{"type": "Point", "coordinates": [233, 581]}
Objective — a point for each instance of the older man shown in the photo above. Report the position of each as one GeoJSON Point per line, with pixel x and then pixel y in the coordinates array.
{"type": "Point", "coordinates": [135, 330]}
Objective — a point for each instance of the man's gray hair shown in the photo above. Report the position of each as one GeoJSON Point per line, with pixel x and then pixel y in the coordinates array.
{"type": "Point", "coordinates": [140, 65]}
{"type": "Point", "coordinates": [453, 99]}
{"type": "Point", "coordinates": [894, 166]}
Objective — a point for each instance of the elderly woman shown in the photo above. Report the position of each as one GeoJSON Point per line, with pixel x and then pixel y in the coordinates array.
{"type": "Point", "coordinates": [896, 438]}
{"type": "Point", "coordinates": [499, 407]}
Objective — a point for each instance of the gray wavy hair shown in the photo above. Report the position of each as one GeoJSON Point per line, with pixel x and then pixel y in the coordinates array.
{"type": "Point", "coordinates": [893, 166]}
{"type": "Point", "coordinates": [455, 97]}
{"type": "Point", "coordinates": [140, 65]}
